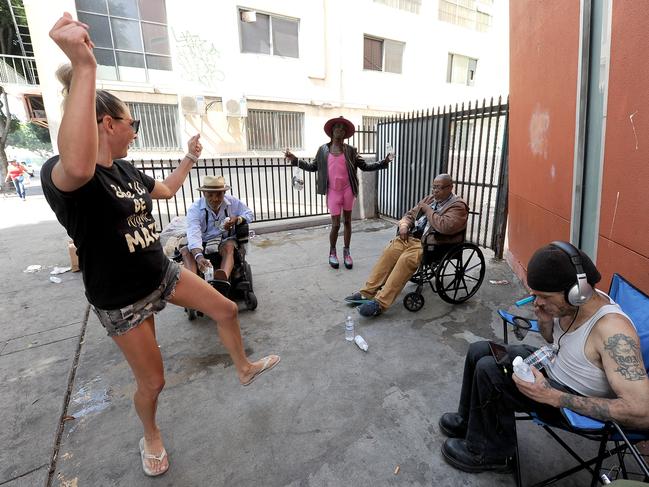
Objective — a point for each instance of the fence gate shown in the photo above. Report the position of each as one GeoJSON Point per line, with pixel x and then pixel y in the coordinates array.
{"type": "Point", "coordinates": [467, 142]}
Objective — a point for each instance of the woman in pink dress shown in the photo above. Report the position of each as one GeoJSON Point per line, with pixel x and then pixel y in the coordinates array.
{"type": "Point", "coordinates": [336, 164]}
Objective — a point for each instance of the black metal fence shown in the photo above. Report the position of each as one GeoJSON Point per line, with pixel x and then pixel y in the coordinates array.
{"type": "Point", "coordinates": [264, 184]}
{"type": "Point", "coordinates": [470, 143]}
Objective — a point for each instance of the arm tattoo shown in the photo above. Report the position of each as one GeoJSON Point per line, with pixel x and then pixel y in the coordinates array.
{"type": "Point", "coordinates": [589, 406]}
{"type": "Point", "coordinates": [624, 351]}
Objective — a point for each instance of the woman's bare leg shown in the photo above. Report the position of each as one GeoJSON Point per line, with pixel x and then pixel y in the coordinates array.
{"type": "Point", "coordinates": [141, 351]}
{"type": "Point", "coordinates": [193, 292]}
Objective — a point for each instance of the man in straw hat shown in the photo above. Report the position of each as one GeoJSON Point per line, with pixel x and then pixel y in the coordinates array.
{"type": "Point", "coordinates": [211, 217]}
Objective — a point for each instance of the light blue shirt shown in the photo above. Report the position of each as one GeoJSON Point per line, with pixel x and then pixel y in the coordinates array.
{"type": "Point", "coordinates": [203, 223]}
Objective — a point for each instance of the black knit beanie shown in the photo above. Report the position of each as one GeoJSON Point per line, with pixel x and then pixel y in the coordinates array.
{"type": "Point", "coordinates": [550, 270]}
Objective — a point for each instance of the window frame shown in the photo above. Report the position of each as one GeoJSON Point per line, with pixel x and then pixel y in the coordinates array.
{"type": "Point", "coordinates": [255, 141]}
{"type": "Point", "coordinates": [144, 53]}
{"type": "Point", "coordinates": [383, 42]}
{"type": "Point", "coordinates": [270, 39]}
{"type": "Point", "coordinates": [470, 81]}
{"type": "Point", "coordinates": [154, 125]}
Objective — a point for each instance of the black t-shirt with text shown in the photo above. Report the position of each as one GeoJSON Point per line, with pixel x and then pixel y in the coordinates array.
{"type": "Point", "coordinates": [109, 218]}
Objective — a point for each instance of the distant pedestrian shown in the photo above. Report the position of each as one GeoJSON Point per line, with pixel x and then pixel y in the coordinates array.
{"type": "Point", "coordinates": [105, 205]}
{"type": "Point", "coordinates": [16, 173]}
{"type": "Point", "coordinates": [336, 164]}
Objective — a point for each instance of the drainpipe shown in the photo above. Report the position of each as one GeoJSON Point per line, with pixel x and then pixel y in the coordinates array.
{"type": "Point", "coordinates": [581, 113]}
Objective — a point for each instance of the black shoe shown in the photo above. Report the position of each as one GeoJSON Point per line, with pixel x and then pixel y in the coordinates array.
{"type": "Point", "coordinates": [457, 454]}
{"type": "Point", "coordinates": [453, 425]}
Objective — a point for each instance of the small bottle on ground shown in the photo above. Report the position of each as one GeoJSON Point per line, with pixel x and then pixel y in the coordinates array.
{"type": "Point", "coordinates": [349, 328]}
{"type": "Point", "coordinates": [362, 344]}
{"type": "Point", "coordinates": [522, 370]}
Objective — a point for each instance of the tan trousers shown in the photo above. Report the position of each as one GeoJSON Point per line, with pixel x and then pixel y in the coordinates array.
{"type": "Point", "coordinates": [395, 267]}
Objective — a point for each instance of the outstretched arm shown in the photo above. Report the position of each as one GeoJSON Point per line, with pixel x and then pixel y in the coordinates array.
{"type": "Point", "coordinates": [363, 165]}
{"type": "Point", "coordinates": [301, 163]}
{"type": "Point", "coordinates": [77, 139]}
{"type": "Point", "coordinates": [618, 346]}
{"type": "Point", "coordinates": [172, 183]}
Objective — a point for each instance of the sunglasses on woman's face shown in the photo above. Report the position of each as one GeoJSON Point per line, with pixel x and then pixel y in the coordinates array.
{"type": "Point", "coordinates": [135, 124]}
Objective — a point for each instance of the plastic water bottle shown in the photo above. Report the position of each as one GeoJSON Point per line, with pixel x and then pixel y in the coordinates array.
{"type": "Point", "coordinates": [362, 344]}
{"type": "Point", "coordinates": [349, 328]}
{"type": "Point", "coordinates": [522, 370]}
{"type": "Point", "coordinates": [209, 274]}
{"type": "Point", "coordinates": [542, 357]}
{"type": "Point", "coordinates": [222, 225]}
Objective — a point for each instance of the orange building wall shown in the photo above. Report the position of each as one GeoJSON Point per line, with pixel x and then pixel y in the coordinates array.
{"type": "Point", "coordinates": [544, 45]}
{"type": "Point", "coordinates": [623, 244]}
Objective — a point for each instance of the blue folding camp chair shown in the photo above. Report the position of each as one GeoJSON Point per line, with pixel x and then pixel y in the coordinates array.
{"type": "Point", "coordinates": [635, 304]}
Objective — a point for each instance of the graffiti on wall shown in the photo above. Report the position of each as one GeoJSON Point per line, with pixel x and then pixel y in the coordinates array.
{"type": "Point", "coordinates": [199, 59]}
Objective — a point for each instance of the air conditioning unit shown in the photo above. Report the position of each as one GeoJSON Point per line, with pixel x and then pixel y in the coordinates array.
{"type": "Point", "coordinates": [236, 108]}
{"type": "Point", "coordinates": [192, 105]}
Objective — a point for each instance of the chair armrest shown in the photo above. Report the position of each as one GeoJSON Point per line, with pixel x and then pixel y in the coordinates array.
{"type": "Point", "coordinates": [508, 319]}
{"type": "Point", "coordinates": [581, 422]}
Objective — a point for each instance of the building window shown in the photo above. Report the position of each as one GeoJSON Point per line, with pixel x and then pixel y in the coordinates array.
{"type": "Point", "coordinates": [271, 130]}
{"type": "Point", "coordinates": [407, 5]}
{"type": "Point", "coordinates": [268, 34]}
{"type": "Point", "coordinates": [159, 126]}
{"type": "Point", "coordinates": [461, 69]}
{"type": "Point", "coordinates": [466, 13]}
{"type": "Point", "coordinates": [130, 36]}
{"type": "Point", "coordinates": [382, 54]}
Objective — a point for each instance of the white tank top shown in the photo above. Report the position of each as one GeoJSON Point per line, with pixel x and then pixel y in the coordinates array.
{"type": "Point", "coordinates": [571, 367]}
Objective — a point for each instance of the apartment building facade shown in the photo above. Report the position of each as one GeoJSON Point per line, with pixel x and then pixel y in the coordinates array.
{"type": "Point", "coordinates": [258, 76]}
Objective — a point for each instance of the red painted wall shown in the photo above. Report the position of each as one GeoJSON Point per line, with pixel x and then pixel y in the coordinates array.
{"type": "Point", "coordinates": [544, 45]}
{"type": "Point", "coordinates": [623, 244]}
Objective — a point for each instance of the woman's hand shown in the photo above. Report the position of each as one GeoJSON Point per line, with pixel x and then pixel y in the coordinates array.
{"type": "Point", "coordinates": [74, 40]}
{"type": "Point", "coordinates": [390, 157]}
{"type": "Point", "coordinates": [289, 155]}
{"type": "Point", "coordinates": [194, 146]}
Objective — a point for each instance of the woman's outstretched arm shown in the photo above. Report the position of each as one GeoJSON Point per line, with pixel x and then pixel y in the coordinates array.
{"type": "Point", "coordinates": [77, 139]}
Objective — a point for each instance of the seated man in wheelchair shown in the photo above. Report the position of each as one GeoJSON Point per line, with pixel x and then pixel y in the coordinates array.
{"type": "Point", "coordinates": [439, 220]}
{"type": "Point", "coordinates": [214, 216]}
{"type": "Point", "coordinates": [594, 366]}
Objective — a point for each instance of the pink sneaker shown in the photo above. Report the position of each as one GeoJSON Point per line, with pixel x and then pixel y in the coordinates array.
{"type": "Point", "coordinates": [333, 259]}
{"type": "Point", "coordinates": [347, 259]}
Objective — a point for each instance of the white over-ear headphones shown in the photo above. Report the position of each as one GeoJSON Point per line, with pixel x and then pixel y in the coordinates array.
{"type": "Point", "coordinates": [581, 291]}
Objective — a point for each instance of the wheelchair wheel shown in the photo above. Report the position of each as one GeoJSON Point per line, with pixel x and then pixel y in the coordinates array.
{"type": "Point", "coordinates": [248, 274]}
{"type": "Point", "coordinates": [413, 301]}
{"type": "Point", "coordinates": [251, 301]}
{"type": "Point", "coordinates": [460, 273]}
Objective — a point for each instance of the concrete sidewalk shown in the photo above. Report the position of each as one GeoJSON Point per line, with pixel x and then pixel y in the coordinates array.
{"type": "Point", "coordinates": [328, 415]}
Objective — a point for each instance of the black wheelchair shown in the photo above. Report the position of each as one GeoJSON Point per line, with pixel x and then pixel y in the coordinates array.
{"type": "Point", "coordinates": [454, 271]}
{"type": "Point", "coordinates": [240, 283]}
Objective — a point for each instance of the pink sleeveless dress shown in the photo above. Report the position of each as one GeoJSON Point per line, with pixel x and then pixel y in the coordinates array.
{"type": "Point", "coordinates": [339, 190]}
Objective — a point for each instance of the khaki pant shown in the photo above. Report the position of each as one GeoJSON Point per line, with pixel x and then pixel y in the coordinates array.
{"type": "Point", "coordinates": [395, 267]}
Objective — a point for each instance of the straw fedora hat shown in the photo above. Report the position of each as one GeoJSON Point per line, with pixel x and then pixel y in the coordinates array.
{"type": "Point", "coordinates": [213, 184]}
{"type": "Point", "coordinates": [349, 127]}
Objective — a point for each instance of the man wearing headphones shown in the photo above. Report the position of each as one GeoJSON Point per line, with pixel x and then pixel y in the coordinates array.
{"type": "Point", "coordinates": [597, 369]}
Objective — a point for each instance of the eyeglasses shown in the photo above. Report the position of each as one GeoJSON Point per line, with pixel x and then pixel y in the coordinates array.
{"type": "Point", "coordinates": [135, 124]}
{"type": "Point", "coordinates": [438, 187]}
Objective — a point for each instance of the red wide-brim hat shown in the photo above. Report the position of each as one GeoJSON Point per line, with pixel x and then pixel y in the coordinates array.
{"type": "Point", "coordinates": [349, 127]}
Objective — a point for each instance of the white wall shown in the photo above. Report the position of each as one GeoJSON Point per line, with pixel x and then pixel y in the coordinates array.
{"type": "Point", "coordinates": [327, 79]}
